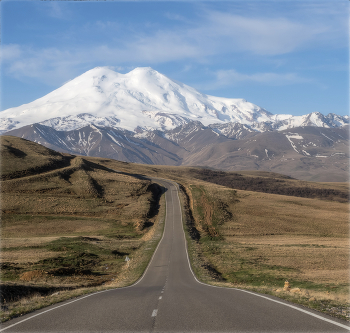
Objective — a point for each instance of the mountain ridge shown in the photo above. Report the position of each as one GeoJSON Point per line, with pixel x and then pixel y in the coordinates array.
{"type": "Point", "coordinates": [145, 99]}
{"type": "Point", "coordinates": [308, 153]}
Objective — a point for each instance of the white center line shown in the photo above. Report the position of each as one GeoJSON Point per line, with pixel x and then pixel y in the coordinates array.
{"type": "Point", "coordinates": [154, 313]}
{"type": "Point", "coordinates": [160, 297]}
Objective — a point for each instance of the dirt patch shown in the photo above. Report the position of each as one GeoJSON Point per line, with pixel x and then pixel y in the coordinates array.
{"type": "Point", "coordinates": [32, 275]}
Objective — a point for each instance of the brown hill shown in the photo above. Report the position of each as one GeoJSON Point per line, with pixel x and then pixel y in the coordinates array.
{"type": "Point", "coordinates": [71, 226]}
{"type": "Point", "coordinates": [20, 157]}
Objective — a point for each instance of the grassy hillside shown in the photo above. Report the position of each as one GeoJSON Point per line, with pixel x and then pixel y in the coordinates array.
{"type": "Point", "coordinates": [70, 227]}
{"type": "Point", "coordinates": [272, 183]}
{"type": "Point", "coordinates": [69, 222]}
{"type": "Point", "coordinates": [21, 158]}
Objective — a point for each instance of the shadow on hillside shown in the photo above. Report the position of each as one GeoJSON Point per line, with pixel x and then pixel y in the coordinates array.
{"type": "Point", "coordinates": [15, 292]}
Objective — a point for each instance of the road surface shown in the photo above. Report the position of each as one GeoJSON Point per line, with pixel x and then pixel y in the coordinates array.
{"type": "Point", "coordinates": [168, 298]}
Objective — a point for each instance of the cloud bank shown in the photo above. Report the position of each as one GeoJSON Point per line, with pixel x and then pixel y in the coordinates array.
{"type": "Point", "coordinates": [210, 35]}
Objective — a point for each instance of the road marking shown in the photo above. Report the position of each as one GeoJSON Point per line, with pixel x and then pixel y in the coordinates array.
{"type": "Point", "coordinates": [154, 313]}
{"type": "Point", "coordinates": [38, 314]}
{"type": "Point", "coordinates": [102, 291]}
{"type": "Point", "coordinates": [252, 293]}
{"type": "Point", "coordinates": [160, 297]}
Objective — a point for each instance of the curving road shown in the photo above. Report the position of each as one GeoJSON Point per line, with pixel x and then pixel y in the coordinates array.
{"type": "Point", "coordinates": [168, 298]}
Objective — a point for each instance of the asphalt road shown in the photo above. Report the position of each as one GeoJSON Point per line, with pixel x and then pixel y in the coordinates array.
{"type": "Point", "coordinates": [168, 298]}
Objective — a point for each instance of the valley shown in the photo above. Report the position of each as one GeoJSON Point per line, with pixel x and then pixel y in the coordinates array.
{"type": "Point", "coordinates": [68, 223]}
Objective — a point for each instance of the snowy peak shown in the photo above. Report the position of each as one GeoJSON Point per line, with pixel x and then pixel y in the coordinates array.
{"type": "Point", "coordinates": [145, 99]}
{"type": "Point", "coordinates": [141, 98]}
{"type": "Point", "coordinates": [144, 74]}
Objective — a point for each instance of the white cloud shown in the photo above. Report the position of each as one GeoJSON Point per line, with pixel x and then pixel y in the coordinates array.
{"type": "Point", "coordinates": [56, 9]}
{"type": "Point", "coordinates": [10, 52]}
{"type": "Point", "coordinates": [214, 34]}
{"type": "Point", "coordinates": [231, 77]}
{"type": "Point", "coordinates": [166, 46]}
{"type": "Point", "coordinates": [262, 36]}
{"type": "Point", "coordinates": [51, 65]}
{"type": "Point", "coordinates": [175, 17]}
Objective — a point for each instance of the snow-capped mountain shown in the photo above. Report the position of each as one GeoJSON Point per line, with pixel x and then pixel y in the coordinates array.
{"type": "Point", "coordinates": [145, 117]}
{"type": "Point", "coordinates": [142, 98]}
{"type": "Point", "coordinates": [316, 119]}
{"type": "Point", "coordinates": [145, 99]}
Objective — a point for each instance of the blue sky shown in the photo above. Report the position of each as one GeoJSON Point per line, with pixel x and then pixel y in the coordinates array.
{"type": "Point", "coordinates": [285, 56]}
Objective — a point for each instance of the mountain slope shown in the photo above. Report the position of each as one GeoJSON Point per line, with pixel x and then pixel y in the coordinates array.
{"type": "Point", "coordinates": [104, 142]}
{"type": "Point", "coordinates": [309, 153]}
{"type": "Point", "coordinates": [142, 97]}
{"type": "Point", "coordinates": [145, 99]}
{"type": "Point", "coordinates": [20, 158]}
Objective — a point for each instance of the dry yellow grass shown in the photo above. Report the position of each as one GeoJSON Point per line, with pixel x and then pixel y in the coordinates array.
{"type": "Point", "coordinates": [26, 241]}
{"type": "Point", "coordinates": [266, 214]}
{"type": "Point", "coordinates": [57, 227]}
{"type": "Point", "coordinates": [251, 240]}
{"type": "Point", "coordinates": [26, 255]}
{"type": "Point", "coordinates": [324, 260]}
{"type": "Point", "coordinates": [269, 239]}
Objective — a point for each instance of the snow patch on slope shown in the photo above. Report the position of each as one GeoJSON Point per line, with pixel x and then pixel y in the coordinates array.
{"type": "Point", "coordinates": [294, 136]}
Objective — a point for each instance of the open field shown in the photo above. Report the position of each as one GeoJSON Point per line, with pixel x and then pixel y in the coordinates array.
{"type": "Point", "coordinates": [268, 239]}
{"type": "Point", "coordinates": [257, 240]}
{"type": "Point", "coordinates": [86, 217]}
{"type": "Point", "coordinates": [266, 182]}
